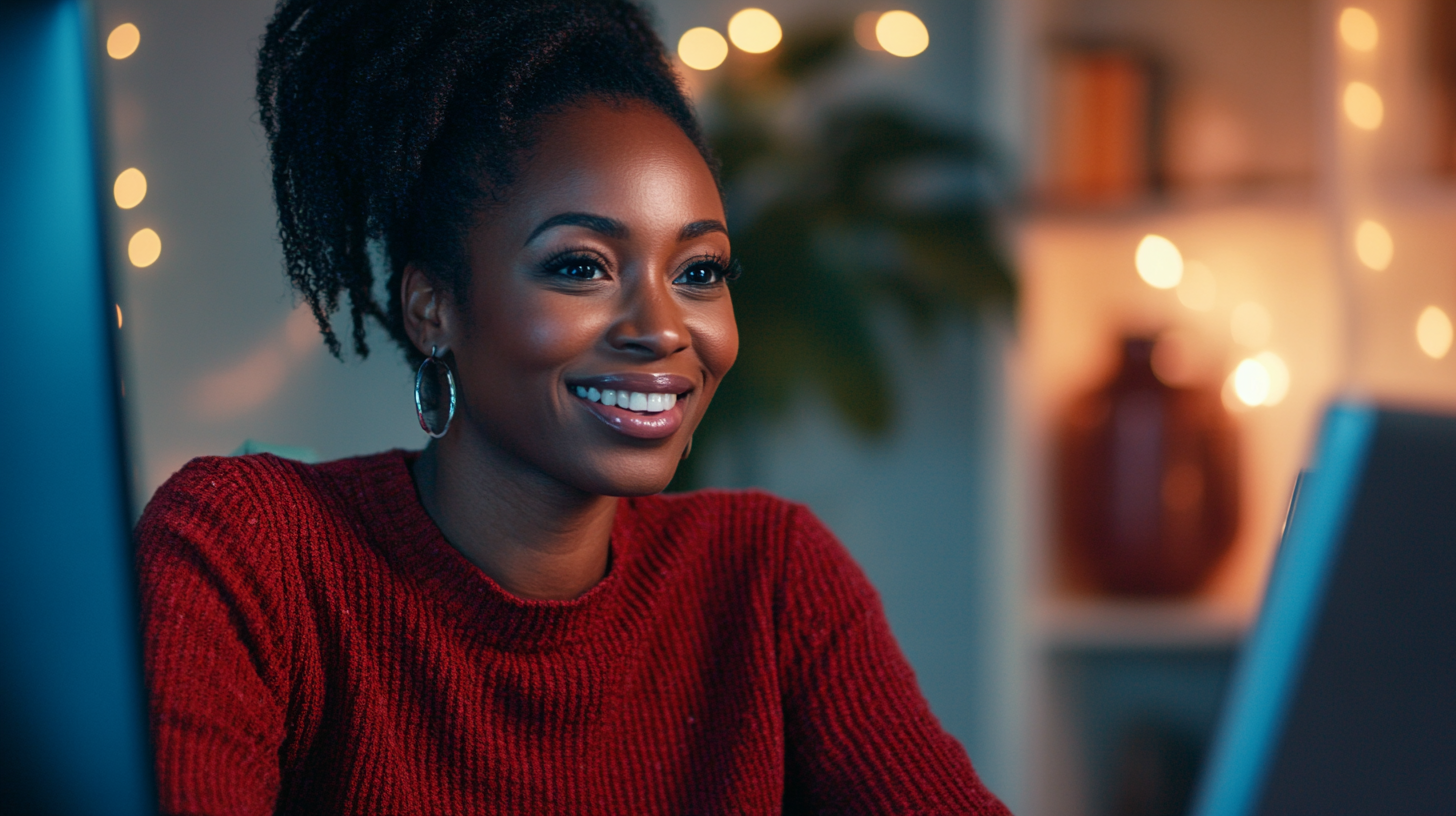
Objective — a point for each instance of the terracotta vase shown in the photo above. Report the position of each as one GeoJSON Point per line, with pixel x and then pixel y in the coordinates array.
{"type": "Point", "coordinates": [1147, 482]}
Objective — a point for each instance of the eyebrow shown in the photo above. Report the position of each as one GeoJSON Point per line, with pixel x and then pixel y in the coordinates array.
{"type": "Point", "coordinates": [610, 227]}
{"type": "Point", "coordinates": [697, 229]}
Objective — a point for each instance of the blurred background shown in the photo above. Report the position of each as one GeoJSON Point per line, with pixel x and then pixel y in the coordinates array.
{"type": "Point", "coordinates": [1043, 301]}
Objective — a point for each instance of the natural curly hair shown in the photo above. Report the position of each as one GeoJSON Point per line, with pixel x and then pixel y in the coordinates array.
{"type": "Point", "coordinates": [391, 123]}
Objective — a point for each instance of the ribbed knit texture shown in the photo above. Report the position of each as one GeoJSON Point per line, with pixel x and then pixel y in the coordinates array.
{"type": "Point", "coordinates": [314, 645]}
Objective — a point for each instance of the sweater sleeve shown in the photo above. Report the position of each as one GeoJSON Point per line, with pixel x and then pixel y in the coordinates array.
{"type": "Point", "coordinates": [859, 737]}
{"type": "Point", "coordinates": [214, 653]}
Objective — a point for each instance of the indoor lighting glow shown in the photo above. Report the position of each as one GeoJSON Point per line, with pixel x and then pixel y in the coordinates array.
{"type": "Point", "coordinates": [1199, 288]}
{"type": "Point", "coordinates": [1358, 29]}
{"type": "Point", "coordinates": [1374, 245]}
{"type": "Point", "coordinates": [1363, 106]}
{"type": "Point", "coordinates": [1278, 377]}
{"type": "Point", "coordinates": [864, 30]}
{"type": "Point", "coordinates": [1252, 383]}
{"type": "Point", "coordinates": [1159, 263]}
{"type": "Point", "coordinates": [1433, 332]}
{"type": "Point", "coordinates": [1250, 325]}
{"type": "Point", "coordinates": [901, 33]}
{"type": "Point", "coordinates": [755, 31]}
{"type": "Point", "coordinates": [702, 48]}
{"type": "Point", "coordinates": [123, 41]}
{"type": "Point", "coordinates": [130, 188]}
{"type": "Point", "coordinates": [144, 248]}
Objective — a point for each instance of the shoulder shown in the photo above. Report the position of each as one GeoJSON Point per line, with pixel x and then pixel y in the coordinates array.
{"type": "Point", "coordinates": [248, 504]}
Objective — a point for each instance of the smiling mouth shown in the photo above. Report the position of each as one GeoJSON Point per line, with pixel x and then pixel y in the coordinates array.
{"type": "Point", "coordinates": [644, 406]}
{"type": "Point", "coordinates": [644, 402]}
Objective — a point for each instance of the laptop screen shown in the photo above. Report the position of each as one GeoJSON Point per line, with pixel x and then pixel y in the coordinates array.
{"type": "Point", "coordinates": [72, 714]}
{"type": "Point", "coordinates": [1344, 701]}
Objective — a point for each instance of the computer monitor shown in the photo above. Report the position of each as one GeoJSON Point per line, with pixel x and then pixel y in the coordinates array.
{"type": "Point", "coordinates": [73, 734]}
{"type": "Point", "coordinates": [1344, 699]}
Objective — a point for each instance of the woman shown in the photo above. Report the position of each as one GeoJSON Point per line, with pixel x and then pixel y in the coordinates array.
{"type": "Point", "coordinates": [512, 620]}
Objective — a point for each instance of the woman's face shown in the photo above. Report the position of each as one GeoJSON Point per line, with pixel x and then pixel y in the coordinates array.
{"type": "Point", "coordinates": [599, 280]}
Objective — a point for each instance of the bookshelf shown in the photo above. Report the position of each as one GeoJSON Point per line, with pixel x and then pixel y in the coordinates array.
{"type": "Point", "coordinates": [1123, 693]}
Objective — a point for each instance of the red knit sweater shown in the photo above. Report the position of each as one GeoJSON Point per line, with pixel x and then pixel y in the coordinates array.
{"type": "Point", "coordinates": [314, 645]}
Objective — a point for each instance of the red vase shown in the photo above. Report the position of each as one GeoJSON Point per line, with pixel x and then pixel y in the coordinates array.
{"type": "Point", "coordinates": [1147, 482]}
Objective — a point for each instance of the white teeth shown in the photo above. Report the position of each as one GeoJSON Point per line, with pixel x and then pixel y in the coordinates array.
{"type": "Point", "coordinates": [641, 401]}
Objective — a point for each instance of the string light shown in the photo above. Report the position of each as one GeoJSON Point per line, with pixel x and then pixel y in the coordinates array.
{"type": "Point", "coordinates": [1358, 29]}
{"type": "Point", "coordinates": [702, 48]}
{"type": "Point", "coordinates": [1252, 383]}
{"type": "Point", "coordinates": [1159, 263]}
{"type": "Point", "coordinates": [902, 33]}
{"type": "Point", "coordinates": [123, 41]}
{"type": "Point", "coordinates": [755, 31]}
{"type": "Point", "coordinates": [144, 248]}
{"type": "Point", "coordinates": [1433, 332]}
{"type": "Point", "coordinates": [1374, 245]}
{"type": "Point", "coordinates": [130, 188]}
{"type": "Point", "coordinates": [119, 320]}
{"type": "Point", "coordinates": [1363, 106]}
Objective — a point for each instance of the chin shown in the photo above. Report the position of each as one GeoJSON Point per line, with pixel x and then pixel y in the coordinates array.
{"type": "Point", "coordinates": [637, 476]}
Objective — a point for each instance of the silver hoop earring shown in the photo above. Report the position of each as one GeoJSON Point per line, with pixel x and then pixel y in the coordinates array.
{"type": "Point", "coordinates": [434, 398]}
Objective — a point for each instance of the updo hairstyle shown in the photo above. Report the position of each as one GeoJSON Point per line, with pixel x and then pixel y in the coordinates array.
{"type": "Point", "coordinates": [391, 123]}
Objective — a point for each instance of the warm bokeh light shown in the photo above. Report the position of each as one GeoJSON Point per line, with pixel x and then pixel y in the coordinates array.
{"type": "Point", "coordinates": [1433, 332]}
{"type": "Point", "coordinates": [1199, 288]}
{"type": "Point", "coordinates": [123, 41]}
{"type": "Point", "coordinates": [1250, 324]}
{"type": "Point", "coordinates": [1374, 245]}
{"type": "Point", "coordinates": [119, 320]}
{"type": "Point", "coordinates": [1358, 29]}
{"type": "Point", "coordinates": [1159, 263]}
{"type": "Point", "coordinates": [901, 33]}
{"type": "Point", "coordinates": [755, 31]}
{"type": "Point", "coordinates": [702, 48]}
{"type": "Point", "coordinates": [144, 248]}
{"type": "Point", "coordinates": [864, 30]}
{"type": "Point", "coordinates": [1252, 383]}
{"type": "Point", "coordinates": [130, 188]}
{"type": "Point", "coordinates": [1363, 106]}
{"type": "Point", "coordinates": [1278, 377]}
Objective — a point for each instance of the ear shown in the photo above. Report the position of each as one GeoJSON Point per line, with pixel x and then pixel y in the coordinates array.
{"type": "Point", "coordinates": [429, 311]}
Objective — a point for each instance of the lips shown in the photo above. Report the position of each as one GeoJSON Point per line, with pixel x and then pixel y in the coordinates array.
{"type": "Point", "coordinates": [643, 406]}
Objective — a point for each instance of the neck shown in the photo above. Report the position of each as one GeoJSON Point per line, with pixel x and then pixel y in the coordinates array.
{"type": "Point", "coordinates": [535, 536]}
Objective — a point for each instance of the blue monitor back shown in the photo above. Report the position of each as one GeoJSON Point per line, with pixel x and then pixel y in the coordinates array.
{"type": "Point", "coordinates": [72, 715]}
{"type": "Point", "coordinates": [1344, 701]}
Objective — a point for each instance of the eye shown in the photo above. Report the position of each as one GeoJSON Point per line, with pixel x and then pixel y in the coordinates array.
{"type": "Point", "coordinates": [707, 273]}
{"type": "Point", "coordinates": [584, 269]}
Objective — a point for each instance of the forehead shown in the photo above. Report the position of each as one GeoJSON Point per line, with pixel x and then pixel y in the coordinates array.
{"type": "Point", "coordinates": [626, 161]}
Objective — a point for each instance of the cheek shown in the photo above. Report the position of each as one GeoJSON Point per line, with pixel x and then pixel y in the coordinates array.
{"type": "Point", "coordinates": [535, 331]}
{"type": "Point", "coordinates": [715, 335]}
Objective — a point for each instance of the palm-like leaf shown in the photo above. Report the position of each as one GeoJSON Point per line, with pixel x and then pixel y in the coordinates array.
{"type": "Point", "coordinates": [828, 237]}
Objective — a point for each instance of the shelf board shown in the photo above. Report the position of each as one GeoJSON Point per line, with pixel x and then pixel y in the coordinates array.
{"type": "Point", "coordinates": [1100, 624]}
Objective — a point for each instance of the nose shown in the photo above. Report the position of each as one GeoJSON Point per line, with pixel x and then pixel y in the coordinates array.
{"type": "Point", "coordinates": [651, 322]}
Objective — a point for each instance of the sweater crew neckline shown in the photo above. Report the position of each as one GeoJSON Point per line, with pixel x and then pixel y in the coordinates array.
{"type": "Point", "coordinates": [405, 532]}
